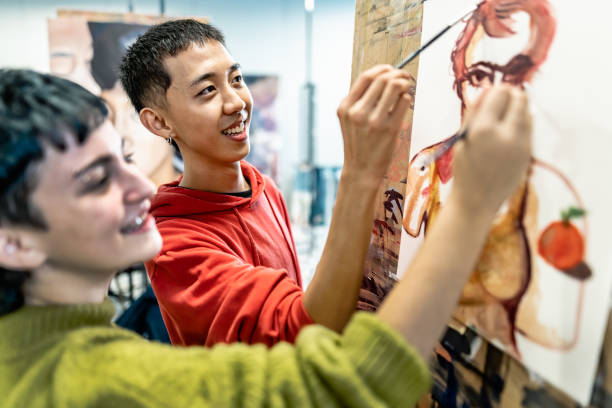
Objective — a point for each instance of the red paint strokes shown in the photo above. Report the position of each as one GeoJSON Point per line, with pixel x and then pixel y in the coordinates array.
{"type": "Point", "coordinates": [382, 226]}
{"type": "Point", "coordinates": [495, 18]}
{"type": "Point", "coordinates": [561, 245]}
{"type": "Point", "coordinates": [426, 191]}
{"type": "Point", "coordinates": [407, 33]}
{"type": "Point", "coordinates": [445, 166]}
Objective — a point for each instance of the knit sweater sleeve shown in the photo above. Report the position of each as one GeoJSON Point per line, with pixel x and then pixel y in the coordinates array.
{"type": "Point", "coordinates": [208, 295]}
{"type": "Point", "coordinates": [368, 366]}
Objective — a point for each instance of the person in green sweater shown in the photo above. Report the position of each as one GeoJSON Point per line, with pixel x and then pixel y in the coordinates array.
{"type": "Point", "coordinates": [73, 210]}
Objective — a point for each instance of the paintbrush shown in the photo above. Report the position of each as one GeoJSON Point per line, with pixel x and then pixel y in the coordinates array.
{"type": "Point", "coordinates": [460, 135]}
{"type": "Point", "coordinates": [433, 39]}
{"type": "Point", "coordinates": [446, 145]}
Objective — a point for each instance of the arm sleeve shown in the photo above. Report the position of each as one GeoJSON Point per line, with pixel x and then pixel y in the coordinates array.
{"type": "Point", "coordinates": [208, 295]}
{"type": "Point", "coordinates": [369, 366]}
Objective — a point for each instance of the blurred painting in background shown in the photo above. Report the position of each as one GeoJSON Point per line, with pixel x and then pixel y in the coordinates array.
{"type": "Point", "coordinates": [87, 47]}
{"type": "Point", "coordinates": [265, 140]}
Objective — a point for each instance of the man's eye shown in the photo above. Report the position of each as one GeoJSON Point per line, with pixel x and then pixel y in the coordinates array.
{"type": "Point", "coordinates": [478, 75]}
{"type": "Point", "coordinates": [238, 78]}
{"type": "Point", "coordinates": [206, 90]}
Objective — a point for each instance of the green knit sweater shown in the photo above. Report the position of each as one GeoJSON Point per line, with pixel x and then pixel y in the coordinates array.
{"type": "Point", "coordinates": [72, 356]}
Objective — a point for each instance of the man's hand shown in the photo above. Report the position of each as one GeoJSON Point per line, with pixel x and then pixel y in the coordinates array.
{"type": "Point", "coordinates": [490, 164]}
{"type": "Point", "coordinates": [371, 118]}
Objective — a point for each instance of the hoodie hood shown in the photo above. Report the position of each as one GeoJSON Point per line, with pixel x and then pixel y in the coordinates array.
{"type": "Point", "coordinates": [172, 200]}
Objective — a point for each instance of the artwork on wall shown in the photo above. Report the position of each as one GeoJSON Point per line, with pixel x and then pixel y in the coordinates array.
{"type": "Point", "coordinates": [87, 47]}
{"type": "Point", "coordinates": [264, 136]}
{"type": "Point", "coordinates": [541, 288]}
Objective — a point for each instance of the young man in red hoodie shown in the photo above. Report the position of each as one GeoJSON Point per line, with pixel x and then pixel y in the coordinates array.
{"type": "Point", "coordinates": [228, 269]}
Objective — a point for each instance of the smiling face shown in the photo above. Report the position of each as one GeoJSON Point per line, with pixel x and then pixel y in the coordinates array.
{"type": "Point", "coordinates": [208, 106]}
{"type": "Point", "coordinates": [95, 205]}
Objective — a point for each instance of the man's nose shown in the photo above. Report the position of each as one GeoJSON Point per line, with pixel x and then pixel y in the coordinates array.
{"type": "Point", "coordinates": [232, 102]}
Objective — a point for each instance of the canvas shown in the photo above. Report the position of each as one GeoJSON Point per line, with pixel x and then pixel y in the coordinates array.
{"type": "Point", "coordinates": [541, 288]}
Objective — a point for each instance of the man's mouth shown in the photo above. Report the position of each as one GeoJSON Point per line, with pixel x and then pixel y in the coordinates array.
{"type": "Point", "coordinates": [234, 130]}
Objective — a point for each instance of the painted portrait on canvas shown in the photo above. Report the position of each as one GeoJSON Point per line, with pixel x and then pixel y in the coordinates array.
{"type": "Point", "coordinates": [265, 137]}
{"type": "Point", "coordinates": [532, 291]}
{"type": "Point", "coordinates": [89, 51]}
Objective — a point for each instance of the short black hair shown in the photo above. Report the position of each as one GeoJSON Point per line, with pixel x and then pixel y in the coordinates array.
{"type": "Point", "coordinates": [142, 71]}
{"type": "Point", "coordinates": [36, 110]}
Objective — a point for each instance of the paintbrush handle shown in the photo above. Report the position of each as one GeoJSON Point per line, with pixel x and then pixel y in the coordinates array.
{"type": "Point", "coordinates": [447, 144]}
{"type": "Point", "coordinates": [416, 53]}
{"type": "Point", "coordinates": [433, 39]}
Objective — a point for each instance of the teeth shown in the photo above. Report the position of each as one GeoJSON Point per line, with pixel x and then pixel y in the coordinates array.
{"type": "Point", "coordinates": [234, 130]}
{"type": "Point", "coordinates": [133, 226]}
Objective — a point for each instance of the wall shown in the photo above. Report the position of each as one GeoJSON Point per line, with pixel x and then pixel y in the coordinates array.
{"type": "Point", "coordinates": [266, 37]}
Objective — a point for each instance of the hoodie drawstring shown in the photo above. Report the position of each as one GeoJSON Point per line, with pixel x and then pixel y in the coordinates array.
{"type": "Point", "coordinates": [287, 239]}
{"type": "Point", "coordinates": [245, 228]}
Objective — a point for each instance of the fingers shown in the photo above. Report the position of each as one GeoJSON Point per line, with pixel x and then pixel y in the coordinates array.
{"type": "Point", "coordinates": [367, 90]}
{"type": "Point", "coordinates": [401, 108]}
{"type": "Point", "coordinates": [394, 88]}
{"type": "Point", "coordinates": [364, 81]}
{"type": "Point", "coordinates": [518, 117]}
{"type": "Point", "coordinates": [493, 105]}
{"type": "Point", "coordinates": [382, 95]}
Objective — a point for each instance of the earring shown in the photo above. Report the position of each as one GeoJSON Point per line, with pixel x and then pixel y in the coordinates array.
{"type": "Point", "coordinates": [169, 140]}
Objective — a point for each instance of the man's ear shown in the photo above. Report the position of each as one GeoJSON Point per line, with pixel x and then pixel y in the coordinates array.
{"type": "Point", "coordinates": [19, 250]}
{"type": "Point", "coordinates": [155, 123]}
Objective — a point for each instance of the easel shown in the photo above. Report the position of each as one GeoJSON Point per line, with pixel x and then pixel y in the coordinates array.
{"type": "Point", "coordinates": [386, 31]}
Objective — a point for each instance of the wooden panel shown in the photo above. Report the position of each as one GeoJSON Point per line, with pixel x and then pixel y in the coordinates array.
{"type": "Point", "coordinates": [386, 31]}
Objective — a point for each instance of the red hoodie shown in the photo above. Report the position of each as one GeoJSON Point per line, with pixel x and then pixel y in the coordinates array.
{"type": "Point", "coordinates": [228, 269]}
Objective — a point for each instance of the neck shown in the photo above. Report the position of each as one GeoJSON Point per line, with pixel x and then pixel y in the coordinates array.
{"type": "Point", "coordinates": [222, 178]}
{"type": "Point", "coordinates": [165, 173]}
{"type": "Point", "coordinates": [49, 285]}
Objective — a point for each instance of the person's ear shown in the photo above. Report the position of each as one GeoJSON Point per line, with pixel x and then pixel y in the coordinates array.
{"type": "Point", "coordinates": [19, 250]}
{"type": "Point", "coordinates": [155, 123]}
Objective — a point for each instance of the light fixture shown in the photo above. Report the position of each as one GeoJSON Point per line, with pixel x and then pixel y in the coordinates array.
{"type": "Point", "coordinates": [309, 5]}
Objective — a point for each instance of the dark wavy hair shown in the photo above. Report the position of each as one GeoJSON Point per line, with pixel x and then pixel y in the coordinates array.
{"type": "Point", "coordinates": [36, 110]}
{"type": "Point", "coordinates": [142, 71]}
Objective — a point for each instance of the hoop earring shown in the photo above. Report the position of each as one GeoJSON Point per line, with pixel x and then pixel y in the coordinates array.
{"type": "Point", "coordinates": [169, 140]}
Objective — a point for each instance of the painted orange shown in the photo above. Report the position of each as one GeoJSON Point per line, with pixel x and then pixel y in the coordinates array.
{"type": "Point", "coordinates": [561, 245]}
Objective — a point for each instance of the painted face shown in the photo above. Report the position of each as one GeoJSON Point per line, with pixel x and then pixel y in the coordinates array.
{"type": "Point", "coordinates": [423, 184]}
{"type": "Point", "coordinates": [71, 51]}
{"type": "Point", "coordinates": [418, 185]}
{"type": "Point", "coordinates": [208, 105]}
{"type": "Point", "coordinates": [96, 206]}
{"type": "Point", "coordinates": [527, 28]}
